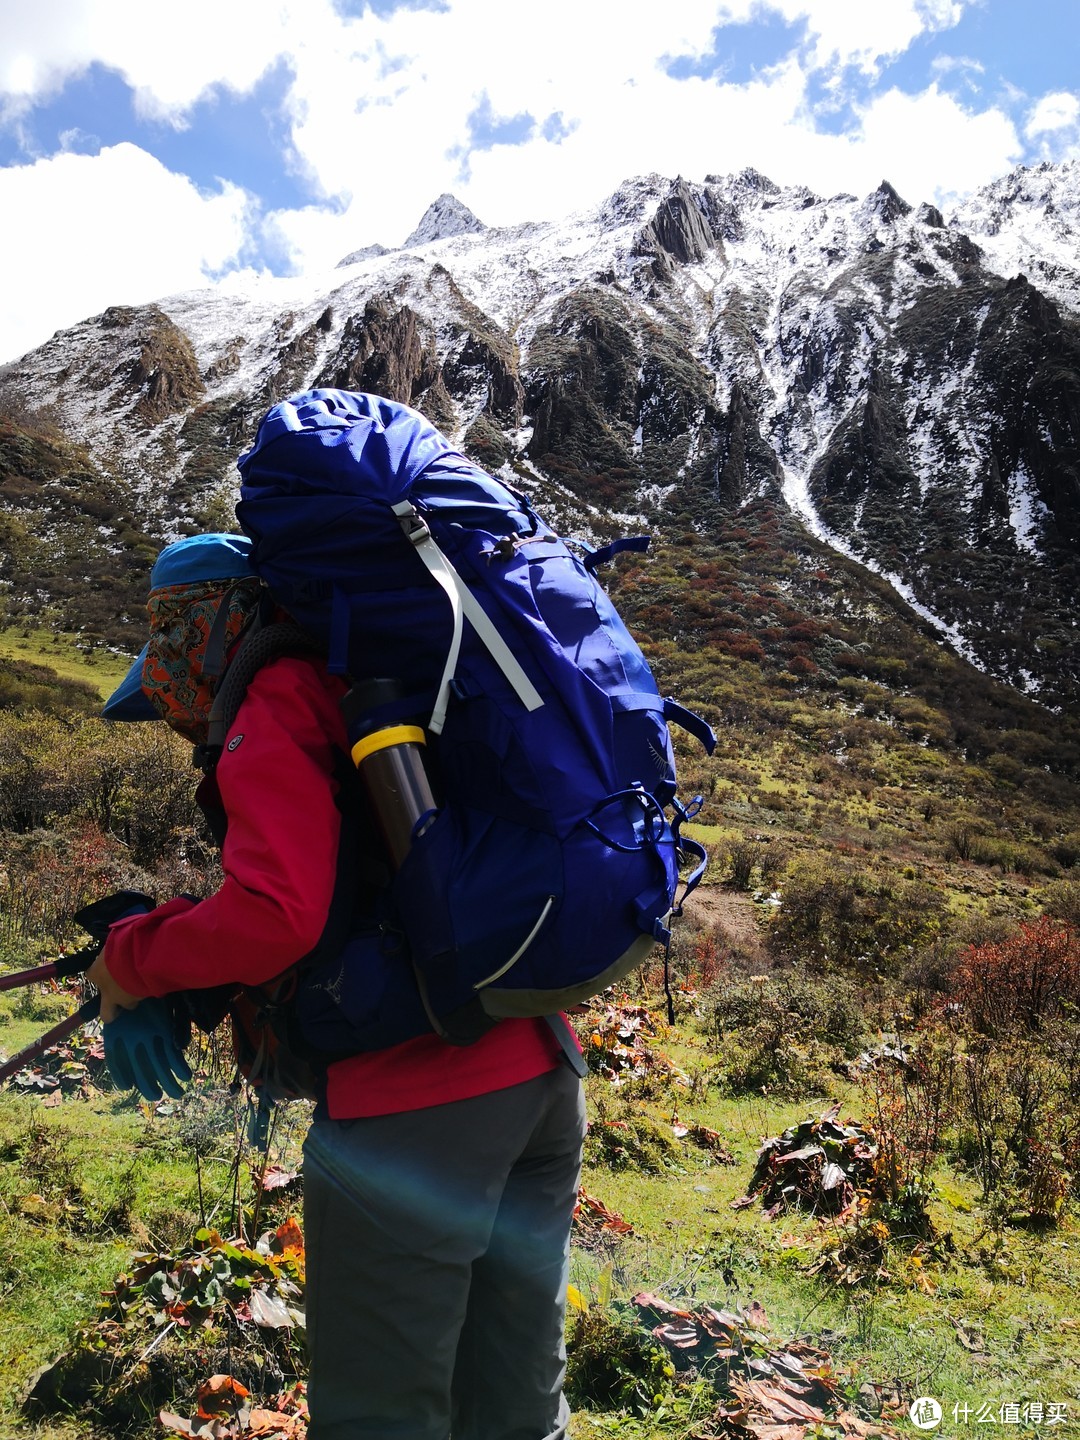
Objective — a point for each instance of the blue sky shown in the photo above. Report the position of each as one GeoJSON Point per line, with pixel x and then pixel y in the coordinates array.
{"type": "Point", "coordinates": [225, 134]}
{"type": "Point", "coordinates": [145, 152]}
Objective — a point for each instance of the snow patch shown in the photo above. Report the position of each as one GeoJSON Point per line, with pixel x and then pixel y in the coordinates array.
{"type": "Point", "coordinates": [796, 490]}
{"type": "Point", "coordinates": [1026, 511]}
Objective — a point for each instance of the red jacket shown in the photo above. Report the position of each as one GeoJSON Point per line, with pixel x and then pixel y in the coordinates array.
{"type": "Point", "coordinates": [275, 779]}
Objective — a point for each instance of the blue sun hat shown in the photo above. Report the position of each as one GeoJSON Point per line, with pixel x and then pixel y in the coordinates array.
{"type": "Point", "coordinates": [191, 560]}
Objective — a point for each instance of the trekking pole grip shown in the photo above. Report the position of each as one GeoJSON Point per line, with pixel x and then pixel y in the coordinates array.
{"type": "Point", "coordinates": [58, 969]}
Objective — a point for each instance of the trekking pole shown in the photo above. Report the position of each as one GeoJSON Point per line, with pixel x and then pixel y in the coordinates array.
{"type": "Point", "coordinates": [60, 969]}
{"type": "Point", "coordinates": [95, 918]}
{"type": "Point", "coordinates": [87, 1011]}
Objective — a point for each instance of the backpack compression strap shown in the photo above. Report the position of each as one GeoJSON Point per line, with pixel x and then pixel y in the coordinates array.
{"type": "Point", "coordinates": [463, 603]}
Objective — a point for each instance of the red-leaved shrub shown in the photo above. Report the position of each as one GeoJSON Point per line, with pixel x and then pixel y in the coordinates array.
{"type": "Point", "coordinates": [1016, 985]}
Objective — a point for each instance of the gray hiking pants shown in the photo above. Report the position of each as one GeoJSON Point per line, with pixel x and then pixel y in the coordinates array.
{"type": "Point", "coordinates": [437, 1247]}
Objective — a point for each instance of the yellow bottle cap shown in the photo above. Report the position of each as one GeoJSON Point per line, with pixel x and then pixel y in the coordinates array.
{"type": "Point", "coordinates": [381, 739]}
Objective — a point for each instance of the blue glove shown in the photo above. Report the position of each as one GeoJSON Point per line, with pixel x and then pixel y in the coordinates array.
{"type": "Point", "coordinates": [141, 1051]}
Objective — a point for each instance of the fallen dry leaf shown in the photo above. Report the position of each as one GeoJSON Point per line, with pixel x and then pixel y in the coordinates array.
{"type": "Point", "coordinates": [289, 1238]}
{"type": "Point", "coordinates": [220, 1395]}
{"type": "Point", "coordinates": [778, 1402]}
{"type": "Point", "coordinates": [593, 1216]}
{"type": "Point", "coordinates": [274, 1423]}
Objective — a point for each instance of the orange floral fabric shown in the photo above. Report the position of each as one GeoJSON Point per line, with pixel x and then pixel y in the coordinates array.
{"type": "Point", "coordinates": [181, 619]}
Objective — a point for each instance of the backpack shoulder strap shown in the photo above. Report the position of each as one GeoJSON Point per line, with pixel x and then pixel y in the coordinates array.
{"type": "Point", "coordinates": [260, 645]}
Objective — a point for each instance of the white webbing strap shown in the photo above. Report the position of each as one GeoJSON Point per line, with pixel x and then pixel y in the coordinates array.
{"type": "Point", "coordinates": [463, 604]}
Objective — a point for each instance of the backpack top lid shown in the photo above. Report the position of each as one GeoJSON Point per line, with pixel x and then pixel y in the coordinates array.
{"type": "Point", "coordinates": [331, 433]}
{"type": "Point", "coordinates": [194, 559]}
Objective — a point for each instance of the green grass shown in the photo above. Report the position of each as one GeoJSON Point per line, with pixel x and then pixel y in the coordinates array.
{"type": "Point", "coordinates": [81, 1187]}
{"type": "Point", "coordinates": [1013, 1286]}
{"type": "Point", "coordinates": [86, 1184]}
{"type": "Point", "coordinates": [61, 651]}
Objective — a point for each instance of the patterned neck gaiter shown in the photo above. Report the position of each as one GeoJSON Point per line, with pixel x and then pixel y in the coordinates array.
{"type": "Point", "coordinates": [181, 619]}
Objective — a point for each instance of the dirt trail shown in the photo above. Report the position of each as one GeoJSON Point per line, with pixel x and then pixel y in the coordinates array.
{"type": "Point", "coordinates": [733, 915]}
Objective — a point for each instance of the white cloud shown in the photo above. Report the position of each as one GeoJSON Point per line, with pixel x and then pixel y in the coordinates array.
{"type": "Point", "coordinates": [1057, 111]}
{"type": "Point", "coordinates": [950, 64]}
{"type": "Point", "coordinates": [689, 127]}
{"type": "Point", "coordinates": [851, 32]}
{"type": "Point", "coordinates": [78, 139]}
{"type": "Point", "coordinates": [380, 112]}
{"type": "Point", "coordinates": [1053, 126]}
{"type": "Point", "coordinates": [87, 231]}
{"type": "Point", "coordinates": [863, 33]}
{"type": "Point", "coordinates": [931, 148]}
{"type": "Point", "coordinates": [169, 59]}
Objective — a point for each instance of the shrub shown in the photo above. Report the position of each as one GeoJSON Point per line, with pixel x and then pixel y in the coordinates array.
{"type": "Point", "coordinates": [1066, 850]}
{"type": "Point", "coordinates": [28, 686]}
{"type": "Point", "coordinates": [786, 1034]}
{"type": "Point", "coordinates": [698, 958]}
{"type": "Point", "coordinates": [773, 861]}
{"type": "Point", "coordinates": [1014, 985]}
{"type": "Point", "coordinates": [758, 852]}
{"type": "Point", "coordinates": [835, 915]}
{"type": "Point", "coordinates": [47, 875]}
{"type": "Point", "coordinates": [1015, 1000]}
{"type": "Point", "coordinates": [614, 1364]}
{"type": "Point", "coordinates": [964, 842]}
{"type": "Point", "coordinates": [1020, 1122]}
{"type": "Point", "coordinates": [134, 782]}
{"type": "Point", "coordinates": [1061, 900]}
{"type": "Point", "coordinates": [632, 1141]}
{"type": "Point", "coordinates": [913, 1103]}
{"type": "Point", "coordinates": [742, 856]}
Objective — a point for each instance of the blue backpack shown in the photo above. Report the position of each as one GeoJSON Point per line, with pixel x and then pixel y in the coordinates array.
{"type": "Point", "coordinates": [551, 868]}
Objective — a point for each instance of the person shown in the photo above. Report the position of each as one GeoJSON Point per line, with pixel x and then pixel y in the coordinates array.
{"type": "Point", "coordinates": [439, 1181]}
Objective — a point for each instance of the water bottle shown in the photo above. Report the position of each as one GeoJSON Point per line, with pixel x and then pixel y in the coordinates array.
{"type": "Point", "coordinates": [390, 761]}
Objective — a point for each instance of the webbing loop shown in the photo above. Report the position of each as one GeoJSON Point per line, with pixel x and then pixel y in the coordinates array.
{"type": "Point", "coordinates": [691, 722]}
{"type": "Point", "coordinates": [593, 558]}
{"type": "Point", "coordinates": [685, 847]}
{"type": "Point", "coordinates": [652, 815]}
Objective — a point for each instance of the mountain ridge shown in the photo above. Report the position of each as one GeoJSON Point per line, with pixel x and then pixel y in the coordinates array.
{"type": "Point", "coordinates": [679, 347]}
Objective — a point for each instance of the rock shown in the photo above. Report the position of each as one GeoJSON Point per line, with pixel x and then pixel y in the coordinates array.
{"type": "Point", "coordinates": [444, 217]}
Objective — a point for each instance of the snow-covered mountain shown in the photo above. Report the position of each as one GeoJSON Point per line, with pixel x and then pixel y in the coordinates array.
{"type": "Point", "coordinates": [906, 383]}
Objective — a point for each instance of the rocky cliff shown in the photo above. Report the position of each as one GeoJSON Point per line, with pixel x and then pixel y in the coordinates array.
{"type": "Point", "coordinates": [902, 385]}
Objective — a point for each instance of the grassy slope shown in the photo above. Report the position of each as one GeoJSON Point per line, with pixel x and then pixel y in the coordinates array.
{"type": "Point", "coordinates": [1016, 1288]}
{"type": "Point", "coordinates": [874, 752]}
{"type": "Point", "coordinates": [63, 653]}
{"type": "Point", "coordinates": [73, 550]}
{"type": "Point", "coordinates": [84, 1185]}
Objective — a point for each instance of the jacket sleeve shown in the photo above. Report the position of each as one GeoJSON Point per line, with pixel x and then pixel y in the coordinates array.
{"type": "Point", "coordinates": [279, 859]}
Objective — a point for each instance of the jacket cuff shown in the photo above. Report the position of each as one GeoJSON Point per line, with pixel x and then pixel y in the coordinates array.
{"type": "Point", "coordinates": [130, 943]}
